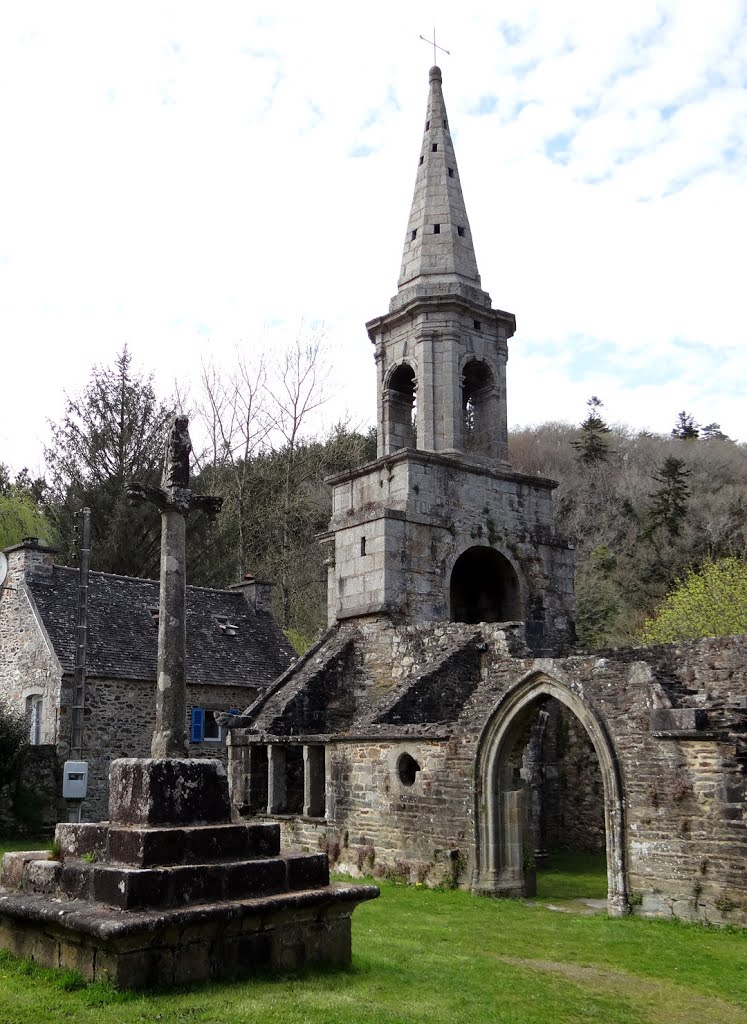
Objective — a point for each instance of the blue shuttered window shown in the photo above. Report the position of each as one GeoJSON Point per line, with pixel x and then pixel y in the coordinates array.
{"type": "Point", "coordinates": [197, 731]}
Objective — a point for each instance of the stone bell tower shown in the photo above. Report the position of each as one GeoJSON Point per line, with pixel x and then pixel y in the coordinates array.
{"type": "Point", "coordinates": [439, 528]}
{"type": "Point", "coordinates": [442, 346]}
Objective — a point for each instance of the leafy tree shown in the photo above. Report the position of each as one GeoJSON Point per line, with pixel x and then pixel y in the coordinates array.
{"type": "Point", "coordinates": [111, 433]}
{"type": "Point", "coordinates": [669, 504]}
{"type": "Point", "coordinates": [20, 512]}
{"type": "Point", "coordinates": [686, 428]}
{"type": "Point", "coordinates": [709, 602]}
{"type": "Point", "coordinates": [593, 445]}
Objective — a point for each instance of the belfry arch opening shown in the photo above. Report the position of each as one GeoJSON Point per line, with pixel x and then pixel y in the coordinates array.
{"type": "Point", "coordinates": [479, 408]}
{"type": "Point", "coordinates": [400, 411]}
{"type": "Point", "coordinates": [484, 587]}
{"type": "Point", "coordinates": [549, 798]}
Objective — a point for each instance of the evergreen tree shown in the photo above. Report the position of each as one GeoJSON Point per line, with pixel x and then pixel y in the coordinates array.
{"type": "Point", "coordinates": [111, 433]}
{"type": "Point", "coordinates": [593, 446]}
{"type": "Point", "coordinates": [686, 428]}
{"type": "Point", "coordinates": [669, 504]}
{"type": "Point", "coordinates": [713, 432]}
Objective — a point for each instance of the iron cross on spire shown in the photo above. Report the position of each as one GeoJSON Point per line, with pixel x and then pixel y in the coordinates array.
{"type": "Point", "coordinates": [175, 501]}
{"type": "Point", "coordinates": [434, 44]}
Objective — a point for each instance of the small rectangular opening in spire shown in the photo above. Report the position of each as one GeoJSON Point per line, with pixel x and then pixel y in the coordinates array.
{"type": "Point", "coordinates": [451, 172]}
{"type": "Point", "coordinates": [427, 125]}
{"type": "Point", "coordinates": [414, 234]}
{"type": "Point", "coordinates": [434, 147]}
{"type": "Point", "coordinates": [436, 229]}
{"type": "Point", "coordinates": [421, 160]}
{"type": "Point", "coordinates": [460, 231]}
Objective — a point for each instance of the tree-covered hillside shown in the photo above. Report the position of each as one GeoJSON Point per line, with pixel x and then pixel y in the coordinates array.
{"type": "Point", "coordinates": [642, 511]}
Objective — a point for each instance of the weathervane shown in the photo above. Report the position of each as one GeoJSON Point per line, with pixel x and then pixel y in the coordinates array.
{"type": "Point", "coordinates": [434, 44]}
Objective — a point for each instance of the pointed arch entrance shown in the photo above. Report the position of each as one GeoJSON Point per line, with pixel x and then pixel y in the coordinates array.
{"type": "Point", "coordinates": [500, 810]}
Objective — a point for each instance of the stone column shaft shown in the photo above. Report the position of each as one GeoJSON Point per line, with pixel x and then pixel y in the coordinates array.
{"type": "Point", "coordinates": [277, 788]}
{"type": "Point", "coordinates": [170, 733]}
{"type": "Point", "coordinates": [313, 781]}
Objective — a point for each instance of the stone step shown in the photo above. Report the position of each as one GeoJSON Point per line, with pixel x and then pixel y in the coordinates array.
{"type": "Point", "coordinates": [150, 847]}
{"type": "Point", "coordinates": [130, 888]}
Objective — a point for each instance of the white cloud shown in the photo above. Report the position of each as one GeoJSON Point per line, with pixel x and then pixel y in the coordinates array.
{"type": "Point", "coordinates": [181, 177]}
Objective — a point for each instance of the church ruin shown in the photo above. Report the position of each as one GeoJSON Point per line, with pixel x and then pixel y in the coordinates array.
{"type": "Point", "coordinates": [443, 730]}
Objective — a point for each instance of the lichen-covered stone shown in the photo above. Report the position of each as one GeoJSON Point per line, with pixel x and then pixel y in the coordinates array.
{"type": "Point", "coordinates": [168, 791]}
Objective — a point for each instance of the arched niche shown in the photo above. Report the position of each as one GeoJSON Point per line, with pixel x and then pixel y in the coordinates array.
{"type": "Point", "coordinates": [400, 409]}
{"type": "Point", "coordinates": [497, 854]}
{"type": "Point", "coordinates": [484, 587]}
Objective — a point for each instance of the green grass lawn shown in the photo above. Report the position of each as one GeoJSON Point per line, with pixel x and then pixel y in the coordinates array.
{"type": "Point", "coordinates": [569, 876]}
{"type": "Point", "coordinates": [424, 956]}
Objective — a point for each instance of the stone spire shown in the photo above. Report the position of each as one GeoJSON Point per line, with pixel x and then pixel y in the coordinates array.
{"type": "Point", "coordinates": [438, 244]}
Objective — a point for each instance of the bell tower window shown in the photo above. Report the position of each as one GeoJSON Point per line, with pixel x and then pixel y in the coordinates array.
{"type": "Point", "coordinates": [479, 397]}
{"type": "Point", "coordinates": [400, 409]}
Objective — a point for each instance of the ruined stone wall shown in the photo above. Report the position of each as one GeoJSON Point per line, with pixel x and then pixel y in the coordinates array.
{"type": "Point", "coordinates": [119, 722]}
{"type": "Point", "coordinates": [672, 724]}
{"type": "Point", "coordinates": [378, 825]}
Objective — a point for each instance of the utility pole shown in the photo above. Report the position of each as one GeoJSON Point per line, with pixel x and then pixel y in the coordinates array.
{"type": "Point", "coordinates": [75, 773]}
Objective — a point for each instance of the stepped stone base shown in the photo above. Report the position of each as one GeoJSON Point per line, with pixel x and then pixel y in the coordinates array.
{"type": "Point", "coordinates": [151, 898]}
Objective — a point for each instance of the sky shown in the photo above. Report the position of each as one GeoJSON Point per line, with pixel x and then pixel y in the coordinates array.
{"type": "Point", "coordinates": [199, 180]}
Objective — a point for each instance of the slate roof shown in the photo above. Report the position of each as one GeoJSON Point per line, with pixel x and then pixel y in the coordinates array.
{"type": "Point", "coordinates": [123, 639]}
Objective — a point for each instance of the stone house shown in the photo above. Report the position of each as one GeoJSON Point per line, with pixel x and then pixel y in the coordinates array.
{"type": "Point", "coordinates": [234, 650]}
{"type": "Point", "coordinates": [444, 729]}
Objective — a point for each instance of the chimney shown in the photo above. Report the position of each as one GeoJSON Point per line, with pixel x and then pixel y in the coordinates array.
{"type": "Point", "coordinates": [257, 593]}
{"type": "Point", "coordinates": [29, 557]}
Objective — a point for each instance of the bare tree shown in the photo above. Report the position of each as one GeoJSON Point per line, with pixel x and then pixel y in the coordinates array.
{"type": "Point", "coordinates": [231, 417]}
{"type": "Point", "coordinates": [295, 389]}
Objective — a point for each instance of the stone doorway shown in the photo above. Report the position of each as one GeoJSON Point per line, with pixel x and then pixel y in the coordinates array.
{"type": "Point", "coordinates": [511, 822]}
{"type": "Point", "coordinates": [484, 587]}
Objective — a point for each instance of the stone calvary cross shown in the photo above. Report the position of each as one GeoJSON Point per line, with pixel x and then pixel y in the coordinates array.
{"type": "Point", "coordinates": [175, 501]}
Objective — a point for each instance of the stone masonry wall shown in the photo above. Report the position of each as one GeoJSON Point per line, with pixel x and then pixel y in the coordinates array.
{"type": "Point", "coordinates": [119, 722]}
{"type": "Point", "coordinates": [27, 665]}
{"type": "Point", "coordinates": [31, 804]}
{"type": "Point", "coordinates": [417, 513]}
{"type": "Point", "coordinates": [675, 722]}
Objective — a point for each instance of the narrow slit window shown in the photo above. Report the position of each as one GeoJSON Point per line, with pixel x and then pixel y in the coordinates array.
{"type": "Point", "coordinates": [436, 229]}
{"type": "Point", "coordinates": [460, 231]}
{"type": "Point", "coordinates": [477, 325]}
{"type": "Point", "coordinates": [414, 234]}
{"type": "Point", "coordinates": [427, 125]}
{"type": "Point", "coordinates": [154, 614]}
{"type": "Point", "coordinates": [451, 172]}
{"type": "Point", "coordinates": [446, 122]}
{"type": "Point", "coordinates": [421, 161]}
{"type": "Point", "coordinates": [434, 147]}
{"type": "Point", "coordinates": [363, 545]}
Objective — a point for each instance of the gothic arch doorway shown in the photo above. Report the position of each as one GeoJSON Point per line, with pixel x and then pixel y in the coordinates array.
{"type": "Point", "coordinates": [484, 587]}
{"type": "Point", "coordinates": [502, 798]}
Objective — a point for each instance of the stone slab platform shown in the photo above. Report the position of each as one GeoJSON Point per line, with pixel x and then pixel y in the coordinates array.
{"type": "Point", "coordinates": [209, 941]}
